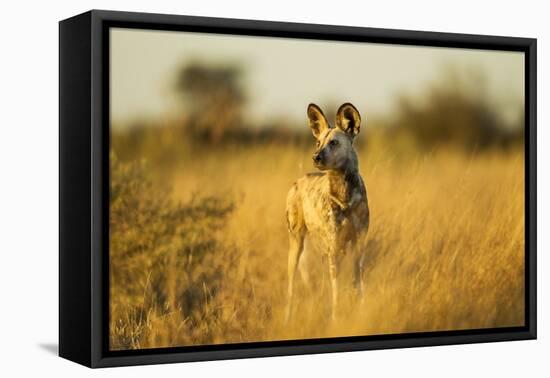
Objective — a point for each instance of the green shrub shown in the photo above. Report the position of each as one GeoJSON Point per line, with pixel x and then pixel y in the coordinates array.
{"type": "Point", "coordinates": [157, 251]}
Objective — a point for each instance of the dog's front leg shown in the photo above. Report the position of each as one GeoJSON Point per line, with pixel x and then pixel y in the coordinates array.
{"type": "Point", "coordinates": [360, 254]}
{"type": "Point", "coordinates": [333, 274]}
{"type": "Point", "coordinates": [359, 265]}
{"type": "Point", "coordinates": [294, 252]}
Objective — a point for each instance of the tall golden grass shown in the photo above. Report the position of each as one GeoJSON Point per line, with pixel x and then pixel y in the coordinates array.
{"type": "Point", "coordinates": [204, 260]}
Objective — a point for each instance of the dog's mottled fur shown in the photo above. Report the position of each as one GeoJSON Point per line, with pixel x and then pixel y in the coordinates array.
{"type": "Point", "coordinates": [330, 206]}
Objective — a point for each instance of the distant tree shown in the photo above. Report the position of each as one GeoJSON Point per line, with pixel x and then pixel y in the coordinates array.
{"type": "Point", "coordinates": [455, 110]}
{"type": "Point", "coordinates": [215, 99]}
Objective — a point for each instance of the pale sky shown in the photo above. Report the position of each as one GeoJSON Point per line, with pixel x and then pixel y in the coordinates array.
{"type": "Point", "coordinates": [284, 75]}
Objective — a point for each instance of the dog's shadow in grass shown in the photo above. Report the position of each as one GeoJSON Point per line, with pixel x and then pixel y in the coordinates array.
{"type": "Point", "coordinates": [51, 348]}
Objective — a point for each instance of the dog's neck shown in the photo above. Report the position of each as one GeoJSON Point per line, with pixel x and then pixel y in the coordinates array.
{"type": "Point", "coordinates": [345, 186]}
{"type": "Point", "coordinates": [348, 176]}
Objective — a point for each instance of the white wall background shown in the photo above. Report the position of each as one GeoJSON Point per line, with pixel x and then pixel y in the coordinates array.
{"type": "Point", "coordinates": [29, 186]}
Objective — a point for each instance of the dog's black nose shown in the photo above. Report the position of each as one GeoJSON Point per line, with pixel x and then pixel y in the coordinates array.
{"type": "Point", "coordinates": [317, 158]}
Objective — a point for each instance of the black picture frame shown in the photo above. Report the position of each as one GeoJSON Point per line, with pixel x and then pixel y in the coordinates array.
{"type": "Point", "coordinates": [84, 187]}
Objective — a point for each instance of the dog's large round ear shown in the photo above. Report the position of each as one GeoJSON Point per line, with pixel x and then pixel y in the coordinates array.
{"type": "Point", "coordinates": [348, 119]}
{"type": "Point", "coordinates": [317, 120]}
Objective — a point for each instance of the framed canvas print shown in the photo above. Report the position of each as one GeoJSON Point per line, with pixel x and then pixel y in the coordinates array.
{"type": "Point", "coordinates": [234, 188]}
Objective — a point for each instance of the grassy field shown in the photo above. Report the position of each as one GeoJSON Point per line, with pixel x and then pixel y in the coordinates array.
{"type": "Point", "coordinates": [445, 250]}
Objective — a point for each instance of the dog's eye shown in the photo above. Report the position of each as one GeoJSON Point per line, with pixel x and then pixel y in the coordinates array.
{"type": "Point", "coordinates": [334, 142]}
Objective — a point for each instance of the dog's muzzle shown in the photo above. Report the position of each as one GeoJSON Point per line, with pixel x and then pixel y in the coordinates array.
{"type": "Point", "coordinates": [318, 158]}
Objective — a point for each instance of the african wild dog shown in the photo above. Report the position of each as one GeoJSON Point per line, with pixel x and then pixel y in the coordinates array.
{"type": "Point", "coordinates": [330, 206]}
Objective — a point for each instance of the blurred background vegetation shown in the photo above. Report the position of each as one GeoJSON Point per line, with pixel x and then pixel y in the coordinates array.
{"type": "Point", "coordinates": [197, 231]}
{"type": "Point", "coordinates": [454, 110]}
